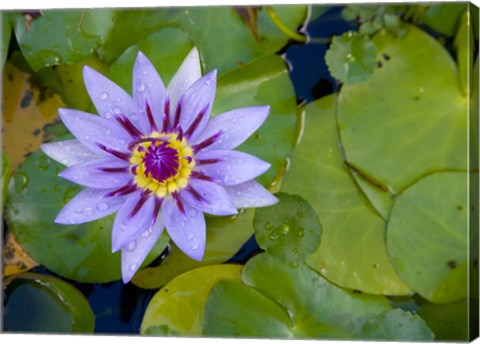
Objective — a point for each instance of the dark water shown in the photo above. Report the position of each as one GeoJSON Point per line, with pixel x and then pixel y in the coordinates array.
{"type": "Point", "coordinates": [119, 308]}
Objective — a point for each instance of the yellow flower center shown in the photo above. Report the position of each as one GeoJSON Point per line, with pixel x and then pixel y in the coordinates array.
{"type": "Point", "coordinates": [162, 163]}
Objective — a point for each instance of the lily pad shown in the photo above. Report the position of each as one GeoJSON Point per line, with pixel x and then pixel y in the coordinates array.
{"type": "Point", "coordinates": [295, 302]}
{"type": "Point", "coordinates": [235, 310]}
{"type": "Point", "coordinates": [417, 125]}
{"type": "Point", "coordinates": [211, 29]}
{"type": "Point", "coordinates": [449, 322]}
{"type": "Point", "coordinates": [39, 303]}
{"type": "Point", "coordinates": [352, 252]}
{"type": "Point", "coordinates": [444, 17]}
{"type": "Point", "coordinates": [290, 230]}
{"type": "Point", "coordinates": [225, 236]}
{"type": "Point", "coordinates": [164, 55]}
{"type": "Point", "coordinates": [177, 308]}
{"type": "Point", "coordinates": [62, 36]}
{"type": "Point", "coordinates": [351, 57]}
{"type": "Point", "coordinates": [427, 236]}
{"type": "Point", "coordinates": [24, 115]}
{"type": "Point", "coordinates": [396, 325]}
{"type": "Point", "coordinates": [264, 81]}
{"type": "Point", "coordinates": [79, 252]}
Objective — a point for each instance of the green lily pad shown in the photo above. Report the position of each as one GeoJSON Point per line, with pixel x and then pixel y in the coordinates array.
{"type": "Point", "coordinates": [290, 230]}
{"type": "Point", "coordinates": [450, 321]}
{"type": "Point", "coordinates": [211, 29]}
{"type": "Point", "coordinates": [427, 236]}
{"type": "Point", "coordinates": [225, 236]}
{"type": "Point", "coordinates": [396, 325]}
{"type": "Point", "coordinates": [61, 36]}
{"type": "Point", "coordinates": [5, 39]}
{"type": "Point", "coordinates": [158, 47]}
{"type": "Point", "coordinates": [351, 57]}
{"type": "Point", "coordinates": [264, 81]}
{"type": "Point", "coordinates": [235, 310]}
{"type": "Point", "coordinates": [317, 307]}
{"type": "Point", "coordinates": [177, 308]}
{"type": "Point", "coordinates": [79, 252]}
{"type": "Point", "coordinates": [444, 17]}
{"type": "Point", "coordinates": [417, 125]}
{"type": "Point", "coordinates": [352, 252]}
{"type": "Point", "coordinates": [39, 303]}
{"type": "Point", "coordinates": [285, 302]}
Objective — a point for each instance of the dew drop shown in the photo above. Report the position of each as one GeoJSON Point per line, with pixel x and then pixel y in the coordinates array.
{"type": "Point", "coordinates": [108, 114]}
{"type": "Point", "coordinates": [239, 193]}
{"type": "Point", "coordinates": [102, 206]}
{"type": "Point", "coordinates": [141, 87]}
{"type": "Point", "coordinates": [133, 267]}
{"type": "Point", "coordinates": [190, 236]}
{"type": "Point", "coordinates": [296, 250]}
{"type": "Point", "coordinates": [194, 247]}
{"type": "Point", "coordinates": [86, 137]}
{"type": "Point", "coordinates": [182, 224]}
{"type": "Point", "coordinates": [300, 214]}
{"type": "Point", "coordinates": [87, 211]}
{"type": "Point", "coordinates": [131, 246]}
{"type": "Point", "coordinates": [145, 234]}
{"type": "Point", "coordinates": [208, 82]}
{"type": "Point", "coordinates": [268, 225]}
{"type": "Point", "coordinates": [108, 132]}
{"type": "Point", "coordinates": [301, 232]}
{"type": "Point", "coordinates": [116, 110]}
{"type": "Point", "coordinates": [104, 96]}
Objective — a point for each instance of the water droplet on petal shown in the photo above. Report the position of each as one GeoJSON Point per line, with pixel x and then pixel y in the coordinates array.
{"type": "Point", "coordinates": [182, 223]}
{"type": "Point", "coordinates": [145, 234]}
{"type": "Point", "coordinates": [108, 114]}
{"type": "Point", "coordinates": [87, 211]}
{"type": "Point", "coordinates": [102, 206]}
{"type": "Point", "coordinates": [141, 87]}
{"type": "Point", "coordinates": [132, 246]}
{"type": "Point", "coordinates": [86, 137]}
{"type": "Point", "coordinates": [239, 193]}
{"type": "Point", "coordinates": [194, 247]}
{"type": "Point", "coordinates": [116, 110]}
{"type": "Point", "coordinates": [108, 132]}
{"type": "Point", "coordinates": [190, 236]}
{"type": "Point", "coordinates": [104, 96]}
{"type": "Point", "coordinates": [133, 267]}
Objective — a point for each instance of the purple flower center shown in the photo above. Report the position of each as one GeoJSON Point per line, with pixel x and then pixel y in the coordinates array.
{"type": "Point", "coordinates": [161, 161]}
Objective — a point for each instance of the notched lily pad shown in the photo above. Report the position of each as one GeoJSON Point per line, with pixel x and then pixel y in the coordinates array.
{"type": "Point", "coordinates": [290, 230]}
{"type": "Point", "coordinates": [351, 57]}
{"type": "Point", "coordinates": [427, 236]}
{"type": "Point", "coordinates": [39, 303]}
{"type": "Point", "coordinates": [177, 308]}
{"type": "Point", "coordinates": [352, 251]}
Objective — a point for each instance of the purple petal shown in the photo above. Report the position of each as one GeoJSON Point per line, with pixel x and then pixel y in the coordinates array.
{"type": "Point", "coordinates": [193, 108]}
{"type": "Point", "coordinates": [236, 126]}
{"type": "Point", "coordinates": [208, 197]}
{"type": "Point", "coordinates": [148, 89]}
{"type": "Point", "coordinates": [109, 99]}
{"type": "Point", "coordinates": [88, 205]}
{"type": "Point", "coordinates": [92, 131]}
{"type": "Point", "coordinates": [250, 195]}
{"type": "Point", "coordinates": [136, 251]}
{"type": "Point", "coordinates": [69, 152]}
{"type": "Point", "coordinates": [230, 167]}
{"type": "Point", "coordinates": [136, 216]}
{"type": "Point", "coordinates": [187, 230]}
{"type": "Point", "coordinates": [103, 173]}
{"type": "Point", "coordinates": [186, 75]}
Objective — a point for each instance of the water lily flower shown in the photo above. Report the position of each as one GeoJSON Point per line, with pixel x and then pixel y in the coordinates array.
{"type": "Point", "coordinates": [158, 160]}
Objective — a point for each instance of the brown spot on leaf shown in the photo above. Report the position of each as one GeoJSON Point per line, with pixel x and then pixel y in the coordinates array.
{"type": "Point", "coordinates": [452, 264]}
